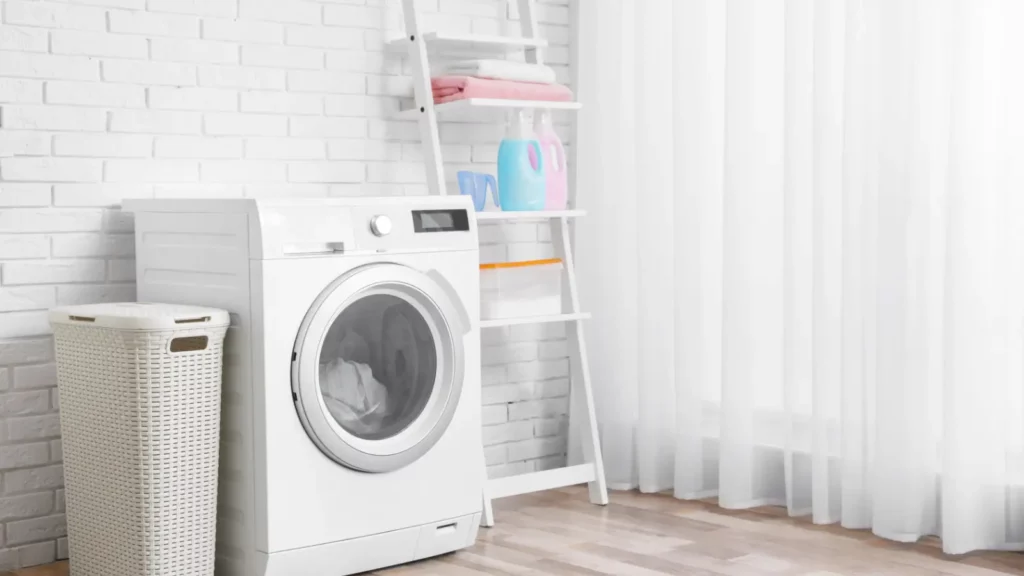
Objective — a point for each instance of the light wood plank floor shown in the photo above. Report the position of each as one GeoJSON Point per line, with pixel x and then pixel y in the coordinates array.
{"type": "Point", "coordinates": [559, 532]}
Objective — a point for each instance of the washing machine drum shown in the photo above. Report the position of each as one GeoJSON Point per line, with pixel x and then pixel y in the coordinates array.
{"type": "Point", "coordinates": [377, 370]}
{"type": "Point", "coordinates": [378, 366]}
{"type": "Point", "coordinates": [408, 355]}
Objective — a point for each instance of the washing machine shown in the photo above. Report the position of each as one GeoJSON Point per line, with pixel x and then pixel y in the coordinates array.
{"type": "Point", "coordinates": [351, 405]}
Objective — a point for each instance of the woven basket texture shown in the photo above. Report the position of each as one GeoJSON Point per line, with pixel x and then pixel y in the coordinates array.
{"type": "Point", "coordinates": [141, 436]}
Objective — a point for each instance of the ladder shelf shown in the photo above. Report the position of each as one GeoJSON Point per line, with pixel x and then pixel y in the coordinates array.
{"type": "Point", "coordinates": [473, 44]}
{"type": "Point", "coordinates": [525, 216]}
{"type": "Point", "coordinates": [539, 481]}
{"type": "Point", "coordinates": [420, 45]}
{"type": "Point", "coordinates": [516, 321]}
{"type": "Point", "coordinates": [485, 104]}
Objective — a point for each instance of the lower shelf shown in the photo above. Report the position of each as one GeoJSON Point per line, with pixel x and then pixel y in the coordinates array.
{"type": "Point", "coordinates": [499, 322]}
{"type": "Point", "coordinates": [538, 481]}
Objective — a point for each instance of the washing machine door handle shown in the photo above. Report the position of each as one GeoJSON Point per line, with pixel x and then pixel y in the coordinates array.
{"type": "Point", "coordinates": [454, 302]}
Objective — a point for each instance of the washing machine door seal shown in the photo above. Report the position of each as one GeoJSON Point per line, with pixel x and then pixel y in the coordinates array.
{"type": "Point", "coordinates": [378, 366]}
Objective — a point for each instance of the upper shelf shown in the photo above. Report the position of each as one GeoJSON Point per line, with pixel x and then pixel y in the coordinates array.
{"type": "Point", "coordinates": [475, 44]}
{"type": "Point", "coordinates": [482, 104]}
{"type": "Point", "coordinates": [498, 216]}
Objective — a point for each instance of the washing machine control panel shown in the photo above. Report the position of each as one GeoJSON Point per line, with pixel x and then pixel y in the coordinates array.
{"type": "Point", "coordinates": [390, 225]}
{"type": "Point", "coordinates": [428, 224]}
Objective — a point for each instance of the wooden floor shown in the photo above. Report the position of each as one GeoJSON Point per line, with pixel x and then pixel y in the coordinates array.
{"type": "Point", "coordinates": [559, 532]}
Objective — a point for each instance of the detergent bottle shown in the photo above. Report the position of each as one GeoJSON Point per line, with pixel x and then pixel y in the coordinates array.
{"type": "Point", "coordinates": [554, 163]}
{"type": "Point", "coordinates": [522, 185]}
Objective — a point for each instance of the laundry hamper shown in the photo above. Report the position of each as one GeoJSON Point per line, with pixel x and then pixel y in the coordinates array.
{"type": "Point", "coordinates": [140, 389]}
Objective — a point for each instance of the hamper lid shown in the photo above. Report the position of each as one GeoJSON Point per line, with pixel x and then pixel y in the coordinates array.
{"type": "Point", "coordinates": [140, 316]}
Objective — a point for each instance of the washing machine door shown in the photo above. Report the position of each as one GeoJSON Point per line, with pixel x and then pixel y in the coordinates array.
{"type": "Point", "coordinates": [377, 368]}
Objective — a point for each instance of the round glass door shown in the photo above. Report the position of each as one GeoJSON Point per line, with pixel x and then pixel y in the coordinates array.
{"type": "Point", "coordinates": [377, 370]}
{"type": "Point", "coordinates": [378, 366]}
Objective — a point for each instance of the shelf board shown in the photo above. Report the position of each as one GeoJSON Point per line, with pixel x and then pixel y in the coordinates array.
{"type": "Point", "coordinates": [499, 216]}
{"type": "Point", "coordinates": [482, 104]}
{"type": "Point", "coordinates": [500, 322]}
{"type": "Point", "coordinates": [539, 481]}
{"type": "Point", "coordinates": [478, 45]}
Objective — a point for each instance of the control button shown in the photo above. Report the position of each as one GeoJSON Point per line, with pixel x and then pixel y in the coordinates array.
{"type": "Point", "coordinates": [380, 225]}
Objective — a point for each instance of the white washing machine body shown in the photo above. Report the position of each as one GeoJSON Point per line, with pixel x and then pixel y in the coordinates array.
{"type": "Point", "coordinates": [351, 434]}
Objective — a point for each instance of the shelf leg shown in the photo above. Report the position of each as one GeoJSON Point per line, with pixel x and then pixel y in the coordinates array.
{"type": "Point", "coordinates": [487, 519]}
{"type": "Point", "coordinates": [529, 28]}
{"type": "Point", "coordinates": [580, 389]}
{"type": "Point", "coordinates": [429, 134]}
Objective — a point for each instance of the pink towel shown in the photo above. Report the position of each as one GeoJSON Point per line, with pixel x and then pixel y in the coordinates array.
{"type": "Point", "coordinates": [450, 88]}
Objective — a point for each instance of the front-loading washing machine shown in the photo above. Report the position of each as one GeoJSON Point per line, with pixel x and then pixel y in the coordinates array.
{"type": "Point", "coordinates": [351, 405]}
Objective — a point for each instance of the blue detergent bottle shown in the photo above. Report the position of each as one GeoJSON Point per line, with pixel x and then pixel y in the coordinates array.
{"type": "Point", "coordinates": [522, 183]}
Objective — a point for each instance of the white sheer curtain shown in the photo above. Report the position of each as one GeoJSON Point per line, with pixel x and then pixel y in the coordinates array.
{"type": "Point", "coordinates": [805, 255]}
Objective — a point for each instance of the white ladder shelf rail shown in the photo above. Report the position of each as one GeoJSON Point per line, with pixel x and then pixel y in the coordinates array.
{"type": "Point", "coordinates": [591, 470]}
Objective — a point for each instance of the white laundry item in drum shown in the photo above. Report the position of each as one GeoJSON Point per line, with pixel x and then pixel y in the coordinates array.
{"type": "Point", "coordinates": [353, 396]}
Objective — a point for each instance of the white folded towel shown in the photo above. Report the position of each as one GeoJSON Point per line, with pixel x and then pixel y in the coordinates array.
{"type": "Point", "coordinates": [498, 70]}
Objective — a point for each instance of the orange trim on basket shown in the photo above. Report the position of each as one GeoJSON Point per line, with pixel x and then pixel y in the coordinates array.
{"type": "Point", "coordinates": [523, 264]}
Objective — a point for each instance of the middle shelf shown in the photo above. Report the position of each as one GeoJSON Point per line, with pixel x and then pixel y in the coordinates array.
{"type": "Point", "coordinates": [515, 321]}
{"type": "Point", "coordinates": [498, 216]}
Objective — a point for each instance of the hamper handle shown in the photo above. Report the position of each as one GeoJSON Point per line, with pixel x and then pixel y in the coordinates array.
{"type": "Point", "coordinates": [198, 320]}
{"type": "Point", "coordinates": [190, 343]}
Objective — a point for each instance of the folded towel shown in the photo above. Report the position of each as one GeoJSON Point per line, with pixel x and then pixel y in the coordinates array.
{"type": "Point", "coordinates": [442, 92]}
{"type": "Point", "coordinates": [498, 70]}
{"type": "Point", "coordinates": [449, 88]}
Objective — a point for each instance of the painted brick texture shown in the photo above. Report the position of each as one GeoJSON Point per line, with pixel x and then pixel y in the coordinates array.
{"type": "Point", "coordinates": [102, 100]}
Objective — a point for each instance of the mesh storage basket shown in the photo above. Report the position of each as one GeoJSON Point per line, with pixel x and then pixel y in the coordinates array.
{"type": "Point", "coordinates": [140, 419]}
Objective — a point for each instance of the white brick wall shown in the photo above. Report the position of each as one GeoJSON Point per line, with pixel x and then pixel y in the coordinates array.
{"type": "Point", "coordinates": [102, 100]}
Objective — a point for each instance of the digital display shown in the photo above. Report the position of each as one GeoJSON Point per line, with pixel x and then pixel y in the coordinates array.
{"type": "Point", "coordinates": [440, 220]}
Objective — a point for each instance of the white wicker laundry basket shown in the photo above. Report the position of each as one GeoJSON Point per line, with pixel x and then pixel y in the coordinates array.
{"type": "Point", "coordinates": [140, 418]}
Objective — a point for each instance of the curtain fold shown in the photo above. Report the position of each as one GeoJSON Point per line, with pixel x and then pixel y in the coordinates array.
{"type": "Point", "coordinates": [804, 252]}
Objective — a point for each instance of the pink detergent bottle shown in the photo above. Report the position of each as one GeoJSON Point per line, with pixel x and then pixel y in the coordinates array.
{"type": "Point", "coordinates": [554, 162]}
